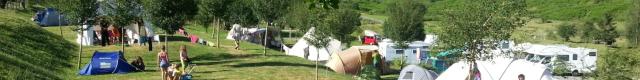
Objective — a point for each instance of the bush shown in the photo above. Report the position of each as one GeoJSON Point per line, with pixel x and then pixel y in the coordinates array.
{"type": "Point", "coordinates": [398, 63]}
{"type": "Point", "coordinates": [560, 67]}
{"type": "Point", "coordinates": [566, 31]}
{"type": "Point", "coordinates": [617, 65]}
{"type": "Point", "coordinates": [368, 72]}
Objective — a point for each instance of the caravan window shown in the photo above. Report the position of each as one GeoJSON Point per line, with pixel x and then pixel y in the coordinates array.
{"type": "Point", "coordinates": [563, 57]}
{"type": "Point", "coordinates": [415, 51]}
{"type": "Point", "coordinates": [592, 53]}
{"type": "Point", "coordinates": [399, 51]}
{"type": "Point", "coordinates": [505, 45]}
{"type": "Point", "coordinates": [575, 56]}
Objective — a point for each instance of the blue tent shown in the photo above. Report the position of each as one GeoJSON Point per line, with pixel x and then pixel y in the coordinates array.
{"type": "Point", "coordinates": [107, 63]}
{"type": "Point", "coordinates": [50, 17]}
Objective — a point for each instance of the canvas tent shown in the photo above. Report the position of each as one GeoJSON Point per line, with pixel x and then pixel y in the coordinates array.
{"type": "Point", "coordinates": [87, 35]}
{"type": "Point", "coordinates": [307, 51]}
{"type": "Point", "coordinates": [107, 63]}
{"type": "Point", "coordinates": [49, 17]}
{"type": "Point", "coordinates": [350, 61]}
{"type": "Point", "coordinates": [499, 68]}
{"type": "Point", "coordinates": [413, 72]}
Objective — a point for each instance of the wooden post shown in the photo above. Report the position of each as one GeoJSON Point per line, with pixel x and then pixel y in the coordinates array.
{"type": "Point", "coordinates": [218, 34]}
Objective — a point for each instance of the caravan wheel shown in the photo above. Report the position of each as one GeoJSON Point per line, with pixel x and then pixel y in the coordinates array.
{"type": "Point", "coordinates": [575, 73]}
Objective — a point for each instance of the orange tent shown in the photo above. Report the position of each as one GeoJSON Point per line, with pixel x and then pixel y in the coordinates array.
{"type": "Point", "coordinates": [351, 60]}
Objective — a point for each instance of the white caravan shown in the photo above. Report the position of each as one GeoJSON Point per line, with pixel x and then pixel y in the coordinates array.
{"type": "Point", "coordinates": [579, 60]}
{"type": "Point", "coordinates": [414, 54]}
{"type": "Point", "coordinates": [498, 68]}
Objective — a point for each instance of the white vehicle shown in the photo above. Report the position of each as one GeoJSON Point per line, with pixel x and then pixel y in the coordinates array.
{"type": "Point", "coordinates": [579, 60]}
{"type": "Point", "coordinates": [416, 52]}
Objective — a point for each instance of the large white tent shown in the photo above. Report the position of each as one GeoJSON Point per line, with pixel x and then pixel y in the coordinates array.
{"type": "Point", "coordinates": [305, 50]}
{"type": "Point", "coordinates": [499, 68]}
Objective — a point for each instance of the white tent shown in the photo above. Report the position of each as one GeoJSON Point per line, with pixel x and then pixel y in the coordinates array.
{"type": "Point", "coordinates": [413, 72]}
{"type": "Point", "coordinates": [305, 50]}
{"type": "Point", "coordinates": [253, 35]}
{"type": "Point", "coordinates": [430, 39]}
{"type": "Point", "coordinates": [87, 36]}
{"type": "Point", "coordinates": [499, 68]}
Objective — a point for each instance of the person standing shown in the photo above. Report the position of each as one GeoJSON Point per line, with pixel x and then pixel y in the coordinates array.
{"type": "Point", "coordinates": [163, 61]}
{"type": "Point", "coordinates": [184, 58]}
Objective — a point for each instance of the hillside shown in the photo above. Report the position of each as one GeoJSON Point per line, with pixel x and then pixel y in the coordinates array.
{"type": "Point", "coordinates": [29, 52]}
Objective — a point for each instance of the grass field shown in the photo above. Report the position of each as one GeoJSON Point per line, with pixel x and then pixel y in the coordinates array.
{"type": "Point", "coordinates": [50, 55]}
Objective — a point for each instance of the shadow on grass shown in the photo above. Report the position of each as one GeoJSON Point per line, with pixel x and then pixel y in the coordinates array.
{"type": "Point", "coordinates": [174, 38]}
{"type": "Point", "coordinates": [261, 64]}
{"type": "Point", "coordinates": [30, 52]}
{"type": "Point", "coordinates": [207, 72]}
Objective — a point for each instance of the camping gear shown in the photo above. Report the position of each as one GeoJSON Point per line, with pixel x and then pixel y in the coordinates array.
{"type": "Point", "coordinates": [50, 17]}
{"type": "Point", "coordinates": [498, 68]}
{"type": "Point", "coordinates": [413, 72]}
{"type": "Point", "coordinates": [107, 63]}
{"type": "Point", "coordinates": [193, 38]}
{"type": "Point", "coordinates": [305, 50]}
{"type": "Point", "coordinates": [350, 61]}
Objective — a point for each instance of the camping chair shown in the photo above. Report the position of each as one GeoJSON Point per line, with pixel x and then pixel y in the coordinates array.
{"type": "Point", "coordinates": [187, 72]}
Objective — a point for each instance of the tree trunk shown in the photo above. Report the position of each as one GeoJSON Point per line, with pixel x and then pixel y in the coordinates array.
{"type": "Point", "coordinates": [266, 32]}
{"type": "Point", "coordinates": [317, 56]}
{"type": "Point", "coordinates": [81, 42]}
{"type": "Point", "coordinates": [165, 40]}
{"type": "Point", "coordinates": [218, 35]}
{"type": "Point", "coordinates": [213, 30]}
{"type": "Point", "coordinates": [60, 25]}
{"type": "Point", "coordinates": [122, 33]}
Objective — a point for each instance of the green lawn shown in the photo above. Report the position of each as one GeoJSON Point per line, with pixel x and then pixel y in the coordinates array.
{"type": "Point", "coordinates": [212, 63]}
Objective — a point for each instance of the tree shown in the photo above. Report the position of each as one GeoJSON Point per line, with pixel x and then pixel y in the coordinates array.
{"type": "Point", "coordinates": [239, 12]}
{"type": "Point", "coordinates": [269, 11]}
{"type": "Point", "coordinates": [122, 13]}
{"type": "Point", "coordinates": [212, 11]}
{"type": "Point", "coordinates": [78, 10]}
{"type": "Point", "coordinates": [342, 22]}
{"type": "Point", "coordinates": [476, 25]}
{"type": "Point", "coordinates": [320, 37]}
{"type": "Point", "coordinates": [405, 22]}
{"type": "Point", "coordinates": [633, 24]}
{"type": "Point", "coordinates": [608, 30]}
{"type": "Point", "coordinates": [589, 32]}
{"type": "Point", "coordinates": [566, 31]}
{"type": "Point", "coordinates": [169, 15]}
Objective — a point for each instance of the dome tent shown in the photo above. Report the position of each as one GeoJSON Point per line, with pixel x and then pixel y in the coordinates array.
{"type": "Point", "coordinates": [107, 63]}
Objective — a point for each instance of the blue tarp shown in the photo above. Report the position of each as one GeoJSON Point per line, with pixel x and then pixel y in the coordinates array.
{"type": "Point", "coordinates": [107, 63]}
{"type": "Point", "coordinates": [50, 17]}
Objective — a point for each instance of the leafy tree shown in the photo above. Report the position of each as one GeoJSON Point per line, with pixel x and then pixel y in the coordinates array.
{"type": "Point", "coordinates": [478, 23]}
{"type": "Point", "coordinates": [608, 30]}
{"type": "Point", "coordinates": [589, 32]}
{"type": "Point", "coordinates": [560, 67]}
{"type": "Point", "coordinates": [269, 11]}
{"type": "Point", "coordinates": [209, 10]}
{"type": "Point", "coordinates": [78, 10]}
{"type": "Point", "coordinates": [169, 15]}
{"type": "Point", "coordinates": [239, 12]}
{"type": "Point", "coordinates": [633, 24]}
{"type": "Point", "coordinates": [299, 17]}
{"type": "Point", "coordinates": [566, 31]}
{"type": "Point", "coordinates": [321, 34]}
{"type": "Point", "coordinates": [405, 22]}
{"type": "Point", "coordinates": [341, 23]}
{"type": "Point", "coordinates": [122, 13]}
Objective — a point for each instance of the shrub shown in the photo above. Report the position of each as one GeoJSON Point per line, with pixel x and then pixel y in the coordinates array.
{"type": "Point", "coordinates": [566, 31]}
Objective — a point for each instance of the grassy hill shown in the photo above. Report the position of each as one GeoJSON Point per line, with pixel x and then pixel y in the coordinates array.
{"type": "Point", "coordinates": [29, 52]}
